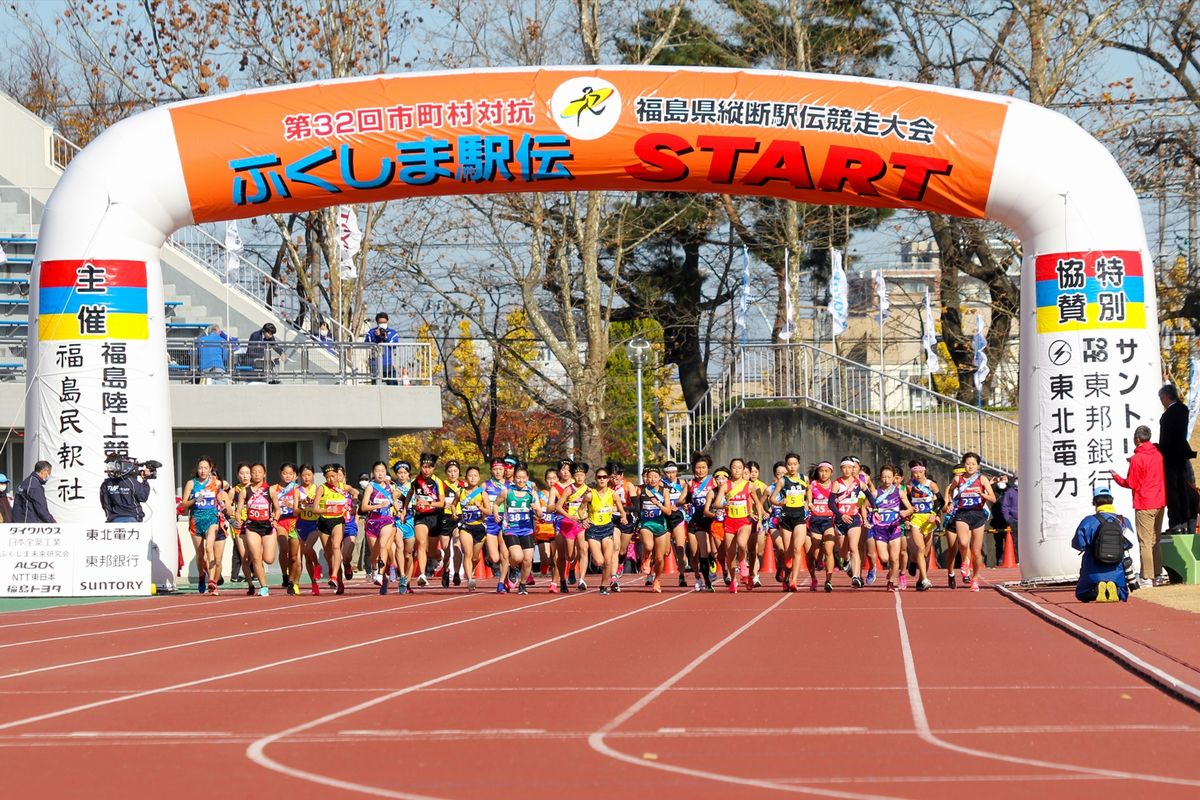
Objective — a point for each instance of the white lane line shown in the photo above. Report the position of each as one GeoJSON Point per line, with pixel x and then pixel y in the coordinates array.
{"type": "Point", "coordinates": [921, 723]}
{"type": "Point", "coordinates": [110, 631]}
{"type": "Point", "coordinates": [108, 614]}
{"type": "Point", "coordinates": [256, 752]}
{"type": "Point", "coordinates": [210, 640]}
{"type": "Point", "coordinates": [1185, 691]}
{"type": "Point", "coordinates": [258, 668]}
{"type": "Point", "coordinates": [597, 743]}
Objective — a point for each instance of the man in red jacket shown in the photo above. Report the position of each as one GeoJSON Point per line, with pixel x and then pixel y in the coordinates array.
{"type": "Point", "coordinates": [1148, 483]}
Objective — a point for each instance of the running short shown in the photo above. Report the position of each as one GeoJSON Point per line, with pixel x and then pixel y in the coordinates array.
{"type": "Point", "coordinates": [205, 518]}
{"type": "Point", "coordinates": [264, 528]}
{"type": "Point", "coordinates": [597, 533]}
{"type": "Point", "coordinates": [734, 525]}
{"type": "Point", "coordinates": [627, 528]}
{"type": "Point", "coordinates": [887, 533]}
{"type": "Point", "coordinates": [407, 531]}
{"type": "Point", "coordinates": [700, 524]}
{"type": "Point", "coordinates": [972, 517]}
{"type": "Point", "coordinates": [819, 526]}
{"type": "Point", "coordinates": [430, 520]}
{"type": "Point", "coordinates": [791, 521]}
{"type": "Point", "coordinates": [476, 529]}
{"type": "Point", "coordinates": [328, 524]}
{"type": "Point", "coordinates": [448, 525]}
{"type": "Point", "coordinates": [675, 520]}
{"type": "Point", "coordinates": [569, 528]}
{"type": "Point", "coordinates": [923, 523]}
{"type": "Point", "coordinates": [717, 528]}
{"type": "Point", "coordinates": [286, 526]}
{"type": "Point", "coordinates": [377, 522]}
{"type": "Point", "coordinates": [351, 528]}
{"type": "Point", "coordinates": [844, 527]}
{"type": "Point", "coordinates": [521, 540]}
{"type": "Point", "coordinates": [544, 532]}
{"type": "Point", "coordinates": [304, 527]}
{"type": "Point", "coordinates": [656, 526]}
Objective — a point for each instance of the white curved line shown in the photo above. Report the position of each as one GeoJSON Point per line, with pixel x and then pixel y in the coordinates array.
{"type": "Point", "coordinates": [256, 751]}
{"type": "Point", "coordinates": [921, 723]}
{"type": "Point", "coordinates": [597, 743]}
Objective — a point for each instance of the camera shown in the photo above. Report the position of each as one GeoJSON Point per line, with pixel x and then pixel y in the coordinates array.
{"type": "Point", "coordinates": [118, 466]}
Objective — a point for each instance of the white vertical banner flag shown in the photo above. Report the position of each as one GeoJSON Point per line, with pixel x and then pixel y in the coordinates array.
{"type": "Point", "coordinates": [929, 337]}
{"type": "Point", "coordinates": [839, 293]}
{"type": "Point", "coordinates": [789, 322]}
{"type": "Point", "coordinates": [744, 303]}
{"type": "Point", "coordinates": [1193, 393]}
{"type": "Point", "coordinates": [3, 255]}
{"type": "Point", "coordinates": [882, 293]}
{"type": "Point", "coordinates": [233, 249]}
{"type": "Point", "coordinates": [981, 361]}
{"type": "Point", "coordinates": [349, 241]}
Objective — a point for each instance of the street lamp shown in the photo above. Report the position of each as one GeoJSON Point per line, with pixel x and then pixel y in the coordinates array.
{"type": "Point", "coordinates": [639, 350]}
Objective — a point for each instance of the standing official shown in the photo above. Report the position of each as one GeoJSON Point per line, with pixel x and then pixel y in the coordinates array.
{"type": "Point", "coordinates": [1176, 453]}
{"type": "Point", "coordinates": [30, 503]}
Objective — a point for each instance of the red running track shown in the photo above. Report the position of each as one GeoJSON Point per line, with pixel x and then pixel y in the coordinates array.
{"type": "Point", "coordinates": [852, 694]}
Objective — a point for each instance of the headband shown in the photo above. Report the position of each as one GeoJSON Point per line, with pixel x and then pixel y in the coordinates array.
{"type": "Point", "coordinates": [849, 462]}
{"type": "Point", "coordinates": [825, 464]}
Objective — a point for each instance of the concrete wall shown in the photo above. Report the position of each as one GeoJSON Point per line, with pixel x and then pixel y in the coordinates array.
{"type": "Point", "coordinates": [766, 434]}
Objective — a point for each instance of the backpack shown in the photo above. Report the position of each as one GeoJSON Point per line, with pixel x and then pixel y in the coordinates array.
{"type": "Point", "coordinates": [1108, 543]}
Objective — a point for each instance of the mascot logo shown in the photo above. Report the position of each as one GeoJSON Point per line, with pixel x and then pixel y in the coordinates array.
{"type": "Point", "coordinates": [586, 108]}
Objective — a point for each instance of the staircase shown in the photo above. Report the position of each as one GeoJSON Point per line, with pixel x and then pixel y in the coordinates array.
{"type": "Point", "coordinates": [862, 396]}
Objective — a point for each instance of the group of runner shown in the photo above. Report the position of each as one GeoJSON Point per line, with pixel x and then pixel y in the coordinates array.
{"type": "Point", "coordinates": [720, 520]}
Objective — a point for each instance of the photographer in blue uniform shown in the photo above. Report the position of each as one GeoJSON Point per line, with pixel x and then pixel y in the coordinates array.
{"type": "Point", "coordinates": [126, 488]}
{"type": "Point", "coordinates": [1105, 573]}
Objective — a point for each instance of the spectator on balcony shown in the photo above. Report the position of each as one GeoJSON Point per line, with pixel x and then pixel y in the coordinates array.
{"type": "Point", "coordinates": [212, 355]}
{"type": "Point", "coordinates": [263, 353]}
{"type": "Point", "coordinates": [322, 336]}
{"type": "Point", "coordinates": [382, 362]}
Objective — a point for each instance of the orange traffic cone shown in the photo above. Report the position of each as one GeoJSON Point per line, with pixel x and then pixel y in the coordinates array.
{"type": "Point", "coordinates": [482, 572]}
{"type": "Point", "coordinates": [669, 565]}
{"type": "Point", "coordinates": [933, 564]}
{"type": "Point", "coordinates": [769, 566]}
{"type": "Point", "coordinates": [1010, 557]}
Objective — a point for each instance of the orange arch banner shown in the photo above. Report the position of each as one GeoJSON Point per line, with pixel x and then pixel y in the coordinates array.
{"type": "Point", "coordinates": [807, 138]}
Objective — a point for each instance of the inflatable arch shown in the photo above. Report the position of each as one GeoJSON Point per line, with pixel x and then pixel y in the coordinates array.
{"type": "Point", "coordinates": [97, 355]}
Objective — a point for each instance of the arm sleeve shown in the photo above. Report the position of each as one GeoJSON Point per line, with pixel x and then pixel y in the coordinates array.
{"type": "Point", "coordinates": [104, 502]}
{"type": "Point", "coordinates": [141, 491]}
{"type": "Point", "coordinates": [1083, 536]}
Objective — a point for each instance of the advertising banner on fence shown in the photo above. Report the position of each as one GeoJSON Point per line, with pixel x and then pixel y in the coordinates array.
{"type": "Point", "coordinates": [74, 560]}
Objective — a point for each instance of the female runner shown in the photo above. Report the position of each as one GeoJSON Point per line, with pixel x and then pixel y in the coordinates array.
{"type": "Point", "coordinates": [519, 506]}
{"type": "Point", "coordinates": [602, 505]}
{"type": "Point", "coordinates": [715, 510]}
{"type": "Point", "coordinates": [558, 486]}
{"type": "Point", "coordinates": [471, 530]}
{"type": "Point", "coordinates": [700, 524]}
{"type": "Point", "coordinates": [677, 523]}
{"type": "Point", "coordinates": [425, 503]}
{"type": "Point", "coordinates": [404, 542]}
{"type": "Point", "coordinates": [760, 528]}
{"type": "Point", "coordinates": [741, 507]}
{"type": "Point", "coordinates": [378, 506]}
{"type": "Point", "coordinates": [627, 493]}
{"type": "Point", "coordinates": [546, 531]}
{"type": "Point", "coordinates": [201, 497]}
{"type": "Point", "coordinates": [306, 525]}
{"type": "Point", "coordinates": [921, 493]}
{"type": "Point", "coordinates": [973, 491]}
{"type": "Point", "coordinates": [572, 545]}
{"type": "Point", "coordinates": [949, 509]}
{"type": "Point", "coordinates": [350, 528]}
{"type": "Point", "coordinates": [285, 494]}
{"type": "Point", "coordinates": [261, 511]}
{"type": "Point", "coordinates": [656, 509]}
{"type": "Point", "coordinates": [497, 553]}
{"type": "Point", "coordinates": [330, 506]}
{"type": "Point", "coordinates": [449, 523]}
{"type": "Point", "coordinates": [788, 496]}
{"type": "Point", "coordinates": [822, 532]}
{"type": "Point", "coordinates": [887, 522]}
{"type": "Point", "coordinates": [846, 494]}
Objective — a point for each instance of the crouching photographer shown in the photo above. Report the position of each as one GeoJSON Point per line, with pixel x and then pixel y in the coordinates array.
{"type": "Point", "coordinates": [126, 487]}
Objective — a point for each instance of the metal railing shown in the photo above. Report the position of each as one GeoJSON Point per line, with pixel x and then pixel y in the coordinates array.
{"type": "Point", "coordinates": [62, 150]}
{"type": "Point", "coordinates": [804, 374]}
{"type": "Point", "coordinates": [306, 362]}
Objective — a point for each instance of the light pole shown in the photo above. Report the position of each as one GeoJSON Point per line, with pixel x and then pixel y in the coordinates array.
{"type": "Point", "coordinates": [638, 350]}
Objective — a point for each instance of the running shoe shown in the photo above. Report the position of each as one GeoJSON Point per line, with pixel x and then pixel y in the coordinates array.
{"type": "Point", "coordinates": [331, 583]}
{"type": "Point", "coordinates": [726, 577]}
{"type": "Point", "coordinates": [965, 569]}
{"type": "Point", "coordinates": [376, 579]}
{"type": "Point", "coordinates": [521, 589]}
{"type": "Point", "coordinates": [656, 587]}
{"type": "Point", "coordinates": [744, 568]}
{"type": "Point", "coordinates": [562, 586]}
{"type": "Point", "coordinates": [708, 587]}
{"type": "Point", "coordinates": [828, 586]}
{"type": "Point", "coordinates": [951, 581]}
{"type": "Point", "coordinates": [924, 585]}
{"type": "Point", "coordinates": [212, 588]}
{"type": "Point", "coordinates": [712, 569]}
{"type": "Point", "coordinates": [531, 580]}
{"type": "Point", "coordinates": [903, 582]}
{"type": "Point", "coordinates": [501, 588]}
{"type": "Point", "coordinates": [787, 587]}
{"type": "Point", "coordinates": [445, 580]}
{"type": "Point", "coordinates": [733, 587]}
{"type": "Point", "coordinates": [779, 576]}
{"type": "Point", "coordinates": [891, 587]}
{"type": "Point", "coordinates": [422, 581]}
{"type": "Point", "coordinates": [571, 580]}
{"type": "Point", "coordinates": [471, 585]}
{"type": "Point", "coordinates": [620, 571]}
{"type": "Point", "coordinates": [604, 590]}
{"type": "Point", "coordinates": [553, 587]}
{"type": "Point", "coordinates": [383, 586]}
{"type": "Point", "coordinates": [975, 585]}
{"type": "Point", "coordinates": [201, 586]}
{"type": "Point", "coordinates": [871, 576]}
{"type": "Point", "coordinates": [295, 590]}
{"type": "Point", "coordinates": [316, 589]}
{"type": "Point", "coordinates": [812, 586]}
{"type": "Point", "coordinates": [757, 582]}
{"type": "Point", "coordinates": [682, 581]}
{"type": "Point", "coordinates": [264, 592]}
{"type": "Point", "coordinates": [391, 574]}
{"type": "Point", "coordinates": [348, 570]}
{"type": "Point", "coordinates": [615, 588]}
{"type": "Point", "coordinates": [699, 585]}
{"type": "Point", "coordinates": [650, 578]}
{"type": "Point", "coordinates": [856, 582]}
{"type": "Point", "coordinates": [510, 585]}
{"type": "Point", "coordinates": [341, 588]}
{"type": "Point", "coordinates": [581, 586]}
{"type": "Point", "coordinates": [402, 586]}
{"type": "Point", "coordinates": [317, 571]}
{"type": "Point", "coordinates": [457, 579]}
{"type": "Point", "coordinates": [287, 585]}
{"type": "Point", "coordinates": [220, 581]}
